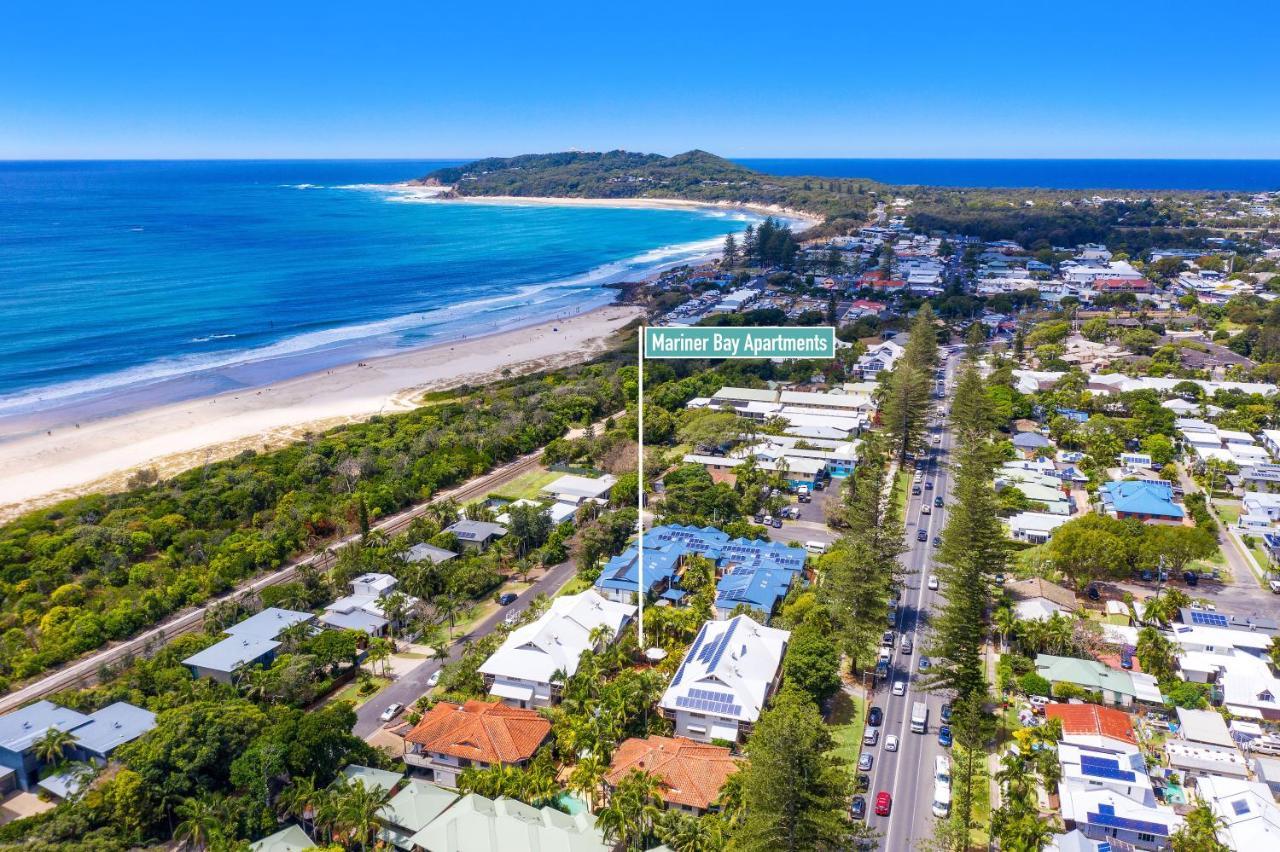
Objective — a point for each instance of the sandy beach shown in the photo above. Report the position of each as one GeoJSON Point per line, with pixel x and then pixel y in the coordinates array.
{"type": "Point", "coordinates": [41, 469]}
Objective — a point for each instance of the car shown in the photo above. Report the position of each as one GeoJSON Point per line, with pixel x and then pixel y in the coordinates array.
{"type": "Point", "coordinates": [915, 490]}
{"type": "Point", "coordinates": [891, 742]}
{"type": "Point", "coordinates": [858, 810]}
{"type": "Point", "coordinates": [933, 582]}
{"type": "Point", "coordinates": [884, 803]}
{"type": "Point", "coordinates": [870, 736]}
{"type": "Point", "coordinates": [1126, 660]}
{"type": "Point", "coordinates": [1093, 593]}
{"type": "Point", "coordinates": [924, 664]}
{"type": "Point", "coordinates": [861, 783]}
{"type": "Point", "coordinates": [926, 509]}
{"type": "Point", "coordinates": [937, 502]}
{"type": "Point", "coordinates": [804, 498]}
{"type": "Point", "coordinates": [507, 598]}
{"type": "Point", "coordinates": [887, 639]}
{"type": "Point", "coordinates": [511, 619]}
{"type": "Point", "coordinates": [759, 517]}
{"type": "Point", "coordinates": [907, 645]}
{"type": "Point", "coordinates": [767, 520]}
{"type": "Point", "coordinates": [944, 736]}
{"type": "Point", "coordinates": [864, 761]}
{"type": "Point", "coordinates": [937, 541]}
{"type": "Point", "coordinates": [1190, 577]}
{"type": "Point", "coordinates": [928, 486]}
{"type": "Point", "coordinates": [922, 535]}
{"type": "Point", "coordinates": [937, 439]}
{"type": "Point", "coordinates": [777, 523]}
{"type": "Point", "coordinates": [946, 712]}
{"type": "Point", "coordinates": [899, 687]}
{"type": "Point", "coordinates": [434, 680]}
{"type": "Point", "coordinates": [818, 486]}
{"type": "Point", "coordinates": [1147, 576]}
{"type": "Point", "coordinates": [999, 579]}
{"type": "Point", "coordinates": [875, 717]}
{"type": "Point", "coordinates": [391, 712]}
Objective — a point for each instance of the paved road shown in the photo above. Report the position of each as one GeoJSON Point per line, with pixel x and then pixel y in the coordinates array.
{"type": "Point", "coordinates": [410, 686]}
{"type": "Point", "coordinates": [907, 775]}
{"type": "Point", "coordinates": [84, 670]}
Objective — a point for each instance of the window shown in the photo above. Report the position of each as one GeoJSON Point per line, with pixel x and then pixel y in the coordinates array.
{"type": "Point", "coordinates": [1146, 838]}
{"type": "Point", "coordinates": [697, 729]}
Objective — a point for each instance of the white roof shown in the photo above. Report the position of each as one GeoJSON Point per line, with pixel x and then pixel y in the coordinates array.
{"type": "Point", "coordinates": [738, 659]}
{"type": "Point", "coordinates": [1036, 521]}
{"type": "Point", "coordinates": [1204, 726]}
{"type": "Point", "coordinates": [1250, 817]}
{"type": "Point", "coordinates": [1078, 803]}
{"type": "Point", "coordinates": [1212, 759]}
{"type": "Point", "coordinates": [268, 624]}
{"type": "Point", "coordinates": [825, 400]}
{"type": "Point", "coordinates": [477, 824]}
{"type": "Point", "coordinates": [581, 486]}
{"type": "Point", "coordinates": [557, 639]}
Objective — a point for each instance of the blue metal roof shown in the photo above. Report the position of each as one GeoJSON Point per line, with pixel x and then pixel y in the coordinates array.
{"type": "Point", "coordinates": [114, 725]}
{"type": "Point", "coordinates": [1142, 497]}
{"type": "Point", "coordinates": [20, 729]}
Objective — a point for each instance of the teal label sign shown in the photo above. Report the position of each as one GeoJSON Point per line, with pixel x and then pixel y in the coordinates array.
{"type": "Point", "coordinates": [802, 342]}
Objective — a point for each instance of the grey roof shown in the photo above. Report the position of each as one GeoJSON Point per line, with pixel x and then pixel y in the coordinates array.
{"type": "Point", "coordinates": [379, 779]}
{"type": "Point", "coordinates": [20, 729]}
{"type": "Point", "coordinates": [269, 623]}
{"type": "Point", "coordinates": [417, 804]}
{"type": "Point", "coordinates": [114, 725]}
{"type": "Point", "coordinates": [423, 552]}
{"type": "Point", "coordinates": [477, 824]}
{"type": "Point", "coordinates": [356, 619]}
{"type": "Point", "coordinates": [476, 530]}
{"type": "Point", "coordinates": [229, 655]}
{"type": "Point", "coordinates": [69, 781]}
{"type": "Point", "coordinates": [289, 839]}
{"type": "Point", "coordinates": [1030, 440]}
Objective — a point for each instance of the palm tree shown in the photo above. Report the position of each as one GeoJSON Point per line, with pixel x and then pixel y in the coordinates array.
{"type": "Point", "coordinates": [1155, 653]}
{"type": "Point", "coordinates": [1006, 623]}
{"type": "Point", "coordinates": [50, 748]}
{"type": "Point", "coordinates": [1059, 633]}
{"type": "Point", "coordinates": [202, 821]}
{"type": "Point", "coordinates": [357, 809]}
{"type": "Point", "coordinates": [587, 780]}
{"type": "Point", "coordinates": [299, 800]}
{"type": "Point", "coordinates": [379, 652]}
{"type": "Point", "coordinates": [632, 810]}
{"type": "Point", "coordinates": [1200, 832]}
{"type": "Point", "coordinates": [395, 608]}
{"type": "Point", "coordinates": [294, 635]}
{"type": "Point", "coordinates": [447, 609]}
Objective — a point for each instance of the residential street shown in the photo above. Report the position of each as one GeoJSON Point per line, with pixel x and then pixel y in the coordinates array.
{"type": "Point", "coordinates": [908, 774]}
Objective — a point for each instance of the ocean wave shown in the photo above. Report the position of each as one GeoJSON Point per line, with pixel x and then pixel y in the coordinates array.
{"type": "Point", "coordinates": [301, 186]}
{"type": "Point", "coordinates": [209, 337]}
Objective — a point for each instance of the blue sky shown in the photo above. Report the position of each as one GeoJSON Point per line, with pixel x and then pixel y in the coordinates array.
{"type": "Point", "coordinates": [1125, 78]}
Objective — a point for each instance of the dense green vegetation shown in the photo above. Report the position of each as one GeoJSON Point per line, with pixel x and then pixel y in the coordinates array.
{"type": "Point", "coordinates": [105, 566]}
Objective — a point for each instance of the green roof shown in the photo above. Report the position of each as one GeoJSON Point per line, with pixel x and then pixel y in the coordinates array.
{"type": "Point", "coordinates": [373, 779]}
{"type": "Point", "coordinates": [291, 839]}
{"type": "Point", "coordinates": [1086, 673]}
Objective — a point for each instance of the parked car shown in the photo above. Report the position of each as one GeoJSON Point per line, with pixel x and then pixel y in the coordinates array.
{"type": "Point", "coordinates": [924, 664]}
{"type": "Point", "coordinates": [915, 490]}
{"type": "Point", "coordinates": [944, 736]}
{"type": "Point", "coordinates": [937, 502]}
{"type": "Point", "coordinates": [937, 541]}
{"type": "Point", "coordinates": [907, 645]}
{"type": "Point", "coordinates": [891, 742]}
{"type": "Point", "coordinates": [861, 783]}
{"type": "Point", "coordinates": [886, 639]}
{"type": "Point", "coordinates": [1093, 593]}
{"type": "Point", "coordinates": [777, 523]}
{"type": "Point", "coordinates": [511, 619]}
{"type": "Point", "coordinates": [1126, 660]}
{"type": "Point", "coordinates": [870, 736]}
{"type": "Point", "coordinates": [1191, 577]}
{"type": "Point", "coordinates": [933, 582]}
{"type": "Point", "coordinates": [759, 517]}
{"type": "Point", "coordinates": [858, 810]}
{"type": "Point", "coordinates": [434, 680]}
{"type": "Point", "coordinates": [818, 485]}
{"type": "Point", "coordinates": [946, 712]}
{"type": "Point", "coordinates": [884, 803]}
{"type": "Point", "coordinates": [391, 712]}
{"type": "Point", "coordinates": [507, 598]}
{"type": "Point", "coordinates": [865, 760]}
{"type": "Point", "coordinates": [875, 717]}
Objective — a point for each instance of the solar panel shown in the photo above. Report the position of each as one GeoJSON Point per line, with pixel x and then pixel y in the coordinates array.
{"type": "Point", "coordinates": [1210, 619]}
{"type": "Point", "coordinates": [1110, 820]}
{"type": "Point", "coordinates": [720, 708]}
{"type": "Point", "coordinates": [1240, 806]}
{"type": "Point", "coordinates": [1104, 846]}
{"type": "Point", "coordinates": [1107, 772]}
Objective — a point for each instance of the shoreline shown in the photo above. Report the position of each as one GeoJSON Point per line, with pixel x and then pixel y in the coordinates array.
{"type": "Point", "coordinates": [41, 469]}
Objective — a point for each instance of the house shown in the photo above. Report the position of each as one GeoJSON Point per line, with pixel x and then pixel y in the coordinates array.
{"type": "Point", "coordinates": [252, 642]}
{"type": "Point", "coordinates": [428, 553]}
{"type": "Point", "coordinates": [1135, 462]}
{"type": "Point", "coordinates": [878, 359]}
{"type": "Point", "coordinates": [1247, 813]}
{"type": "Point", "coordinates": [521, 671]}
{"type": "Point", "coordinates": [476, 535]}
{"type": "Point", "coordinates": [108, 729]}
{"type": "Point", "coordinates": [1150, 501]}
{"type": "Point", "coordinates": [1123, 773]}
{"type": "Point", "coordinates": [1212, 651]}
{"type": "Point", "coordinates": [363, 609]}
{"type": "Point", "coordinates": [478, 824]}
{"type": "Point", "coordinates": [576, 490]}
{"type": "Point", "coordinates": [1037, 599]}
{"type": "Point", "coordinates": [1034, 527]}
{"type": "Point", "coordinates": [1031, 443]}
{"type": "Point", "coordinates": [1099, 728]}
{"type": "Point", "coordinates": [450, 737]}
{"type": "Point", "coordinates": [556, 511]}
{"type": "Point", "coordinates": [412, 809]}
{"type": "Point", "coordinates": [95, 736]}
{"type": "Point", "coordinates": [1116, 687]}
{"type": "Point", "coordinates": [690, 774]}
{"type": "Point", "coordinates": [723, 683]}
{"type": "Point", "coordinates": [1104, 815]}
{"type": "Point", "coordinates": [289, 839]}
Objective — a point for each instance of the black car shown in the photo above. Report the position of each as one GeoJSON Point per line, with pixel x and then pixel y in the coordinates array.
{"type": "Point", "coordinates": [507, 598]}
{"type": "Point", "coordinates": [858, 810]}
{"type": "Point", "coordinates": [937, 501]}
{"type": "Point", "coordinates": [875, 717]}
{"type": "Point", "coordinates": [759, 517]}
{"type": "Point", "coordinates": [1093, 593]}
{"type": "Point", "coordinates": [1126, 660]}
{"type": "Point", "coordinates": [937, 541]}
{"type": "Point", "coordinates": [922, 535]}
{"type": "Point", "coordinates": [861, 783]}
{"type": "Point", "coordinates": [1190, 577]}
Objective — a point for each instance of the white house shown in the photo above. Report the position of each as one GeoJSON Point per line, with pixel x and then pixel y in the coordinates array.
{"type": "Point", "coordinates": [362, 609]}
{"type": "Point", "coordinates": [576, 490]}
{"type": "Point", "coordinates": [521, 671]}
{"type": "Point", "coordinates": [1035, 527]}
{"type": "Point", "coordinates": [878, 359]}
{"type": "Point", "coordinates": [1249, 818]}
{"type": "Point", "coordinates": [725, 680]}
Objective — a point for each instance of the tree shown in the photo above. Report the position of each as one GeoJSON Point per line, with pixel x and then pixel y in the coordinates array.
{"type": "Point", "coordinates": [203, 820]}
{"type": "Point", "coordinates": [357, 811]}
{"type": "Point", "coordinates": [51, 747]}
{"type": "Point", "coordinates": [1096, 329]}
{"type": "Point", "coordinates": [1199, 832]}
{"type": "Point", "coordinates": [793, 788]}
{"type": "Point", "coordinates": [730, 255]}
{"type": "Point", "coordinates": [633, 809]}
{"type": "Point", "coordinates": [1155, 654]}
{"type": "Point", "coordinates": [905, 408]}
{"type": "Point", "coordinates": [812, 662]}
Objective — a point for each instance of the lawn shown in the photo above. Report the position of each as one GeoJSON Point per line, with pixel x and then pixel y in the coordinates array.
{"type": "Point", "coordinates": [980, 826]}
{"type": "Point", "coordinates": [846, 722]}
{"type": "Point", "coordinates": [577, 584]}
{"type": "Point", "coordinates": [351, 692]}
{"type": "Point", "coordinates": [527, 486]}
{"type": "Point", "coordinates": [902, 488]}
{"type": "Point", "coordinates": [1228, 511]}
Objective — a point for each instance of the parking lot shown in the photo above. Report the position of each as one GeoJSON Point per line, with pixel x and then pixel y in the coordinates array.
{"type": "Point", "coordinates": [812, 523]}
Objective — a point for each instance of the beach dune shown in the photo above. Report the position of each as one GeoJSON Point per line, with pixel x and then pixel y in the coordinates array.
{"type": "Point", "coordinates": [41, 469]}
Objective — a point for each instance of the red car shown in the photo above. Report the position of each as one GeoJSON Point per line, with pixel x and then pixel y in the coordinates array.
{"type": "Point", "coordinates": [884, 803]}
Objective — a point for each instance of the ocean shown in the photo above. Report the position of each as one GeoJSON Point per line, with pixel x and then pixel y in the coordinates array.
{"type": "Point", "coordinates": [1239, 175]}
{"type": "Point", "coordinates": [183, 279]}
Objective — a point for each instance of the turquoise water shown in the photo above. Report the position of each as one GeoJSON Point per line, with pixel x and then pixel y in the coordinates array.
{"type": "Point", "coordinates": [132, 283]}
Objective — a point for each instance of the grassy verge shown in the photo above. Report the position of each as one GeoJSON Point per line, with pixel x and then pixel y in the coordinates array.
{"type": "Point", "coordinates": [351, 692]}
{"type": "Point", "coordinates": [1228, 512]}
{"type": "Point", "coordinates": [980, 826]}
{"type": "Point", "coordinates": [527, 486]}
{"type": "Point", "coordinates": [574, 586]}
{"type": "Point", "coordinates": [846, 723]}
{"type": "Point", "coordinates": [902, 491]}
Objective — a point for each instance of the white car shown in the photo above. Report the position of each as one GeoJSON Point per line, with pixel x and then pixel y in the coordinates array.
{"type": "Point", "coordinates": [434, 680]}
{"type": "Point", "coordinates": [391, 712]}
{"type": "Point", "coordinates": [891, 742]}
{"type": "Point", "coordinates": [900, 687]}
{"type": "Point", "coordinates": [871, 737]}
{"type": "Point", "coordinates": [933, 582]}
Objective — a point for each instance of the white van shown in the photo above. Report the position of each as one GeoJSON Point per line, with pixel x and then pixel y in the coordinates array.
{"type": "Point", "coordinates": [815, 547]}
{"type": "Point", "coordinates": [941, 800]}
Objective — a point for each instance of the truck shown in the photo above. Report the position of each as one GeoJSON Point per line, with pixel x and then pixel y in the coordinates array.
{"type": "Point", "coordinates": [919, 717]}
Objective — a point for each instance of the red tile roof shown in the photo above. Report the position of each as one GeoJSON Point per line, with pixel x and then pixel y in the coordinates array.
{"type": "Point", "coordinates": [480, 730]}
{"type": "Point", "coordinates": [691, 773]}
{"type": "Point", "coordinates": [1092, 720]}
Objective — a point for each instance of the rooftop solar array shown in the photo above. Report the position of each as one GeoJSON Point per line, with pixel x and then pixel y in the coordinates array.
{"type": "Point", "coordinates": [719, 708]}
{"type": "Point", "coordinates": [1110, 820]}
{"type": "Point", "coordinates": [1209, 619]}
{"type": "Point", "coordinates": [1101, 767]}
{"type": "Point", "coordinates": [1240, 806]}
{"type": "Point", "coordinates": [711, 653]}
